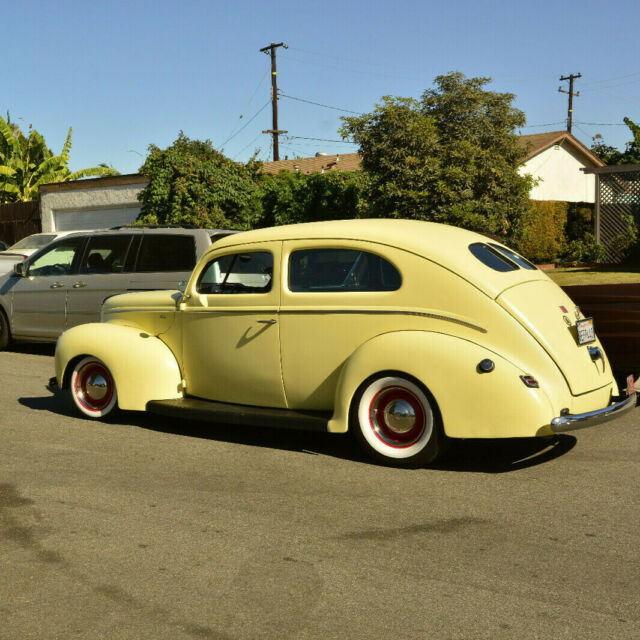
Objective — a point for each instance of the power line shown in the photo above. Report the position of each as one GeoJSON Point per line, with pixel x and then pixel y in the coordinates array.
{"type": "Point", "coordinates": [253, 95]}
{"type": "Point", "coordinates": [604, 124]}
{"type": "Point", "coordinates": [319, 139]}
{"type": "Point", "coordinates": [547, 124]}
{"type": "Point", "coordinates": [255, 115]}
{"type": "Point", "coordinates": [248, 145]}
{"type": "Point", "coordinates": [319, 104]}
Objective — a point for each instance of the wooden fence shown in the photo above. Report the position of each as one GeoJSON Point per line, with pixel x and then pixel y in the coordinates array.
{"type": "Point", "coordinates": [615, 309]}
{"type": "Point", "coordinates": [19, 219]}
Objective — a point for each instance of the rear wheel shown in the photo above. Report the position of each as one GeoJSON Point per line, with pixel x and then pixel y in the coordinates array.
{"type": "Point", "coordinates": [93, 389]}
{"type": "Point", "coordinates": [5, 331]}
{"type": "Point", "coordinates": [397, 422]}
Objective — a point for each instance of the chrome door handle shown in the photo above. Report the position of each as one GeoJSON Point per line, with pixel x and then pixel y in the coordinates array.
{"type": "Point", "coordinates": [267, 321]}
{"type": "Point", "coordinates": [56, 285]}
{"type": "Point", "coordinates": [79, 285]}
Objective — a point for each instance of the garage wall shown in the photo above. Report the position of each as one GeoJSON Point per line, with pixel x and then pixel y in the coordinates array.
{"type": "Point", "coordinates": [91, 204]}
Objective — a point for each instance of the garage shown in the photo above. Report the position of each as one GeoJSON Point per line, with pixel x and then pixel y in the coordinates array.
{"type": "Point", "coordinates": [97, 203]}
{"type": "Point", "coordinates": [104, 218]}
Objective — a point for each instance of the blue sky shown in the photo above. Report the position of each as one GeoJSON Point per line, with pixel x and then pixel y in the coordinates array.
{"type": "Point", "coordinates": [128, 74]}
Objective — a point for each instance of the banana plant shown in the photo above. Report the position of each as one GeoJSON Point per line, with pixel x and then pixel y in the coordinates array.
{"type": "Point", "coordinates": [26, 163]}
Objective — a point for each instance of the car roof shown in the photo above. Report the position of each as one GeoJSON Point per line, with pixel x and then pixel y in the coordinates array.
{"type": "Point", "coordinates": [444, 244]}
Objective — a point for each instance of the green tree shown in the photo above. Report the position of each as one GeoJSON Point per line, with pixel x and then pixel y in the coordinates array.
{"type": "Point", "coordinates": [612, 155]}
{"type": "Point", "coordinates": [294, 197]}
{"type": "Point", "coordinates": [190, 182]}
{"type": "Point", "coordinates": [26, 163]}
{"type": "Point", "coordinates": [451, 157]}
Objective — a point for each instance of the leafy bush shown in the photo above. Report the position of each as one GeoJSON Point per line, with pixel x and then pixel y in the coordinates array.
{"type": "Point", "coordinates": [289, 197]}
{"type": "Point", "coordinates": [541, 233]}
{"type": "Point", "coordinates": [190, 182]}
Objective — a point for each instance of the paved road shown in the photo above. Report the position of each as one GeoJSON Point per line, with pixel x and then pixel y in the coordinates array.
{"type": "Point", "coordinates": [151, 528]}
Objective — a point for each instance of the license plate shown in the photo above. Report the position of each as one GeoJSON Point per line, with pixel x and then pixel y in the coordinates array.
{"type": "Point", "coordinates": [631, 385]}
{"type": "Point", "coordinates": [586, 333]}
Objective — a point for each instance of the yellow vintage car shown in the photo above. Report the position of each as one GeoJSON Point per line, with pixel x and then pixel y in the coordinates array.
{"type": "Point", "coordinates": [406, 333]}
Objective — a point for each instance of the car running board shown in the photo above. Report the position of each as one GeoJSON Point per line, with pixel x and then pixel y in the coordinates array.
{"type": "Point", "coordinates": [221, 412]}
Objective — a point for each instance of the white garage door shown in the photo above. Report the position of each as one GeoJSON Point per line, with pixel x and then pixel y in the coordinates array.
{"type": "Point", "coordinates": [68, 219]}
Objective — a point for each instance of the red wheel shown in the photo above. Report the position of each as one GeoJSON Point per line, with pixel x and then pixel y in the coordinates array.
{"type": "Point", "coordinates": [93, 388]}
{"type": "Point", "coordinates": [395, 422]}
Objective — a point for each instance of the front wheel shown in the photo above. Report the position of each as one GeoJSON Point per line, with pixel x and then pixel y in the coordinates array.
{"type": "Point", "coordinates": [397, 422]}
{"type": "Point", "coordinates": [93, 389]}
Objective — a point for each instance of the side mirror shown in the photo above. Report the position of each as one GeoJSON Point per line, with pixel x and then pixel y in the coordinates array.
{"type": "Point", "coordinates": [182, 286]}
{"type": "Point", "coordinates": [20, 269]}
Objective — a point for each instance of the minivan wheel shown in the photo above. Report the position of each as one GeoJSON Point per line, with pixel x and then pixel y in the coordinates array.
{"type": "Point", "coordinates": [5, 331]}
{"type": "Point", "coordinates": [396, 422]}
{"type": "Point", "coordinates": [93, 389]}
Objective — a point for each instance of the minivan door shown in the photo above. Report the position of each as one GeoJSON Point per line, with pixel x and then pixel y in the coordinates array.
{"type": "Point", "coordinates": [102, 272]}
{"type": "Point", "coordinates": [39, 298]}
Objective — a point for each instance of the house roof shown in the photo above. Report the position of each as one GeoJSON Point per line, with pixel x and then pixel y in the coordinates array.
{"type": "Point", "coordinates": [538, 142]}
{"type": "Point", "coordinates": [534, 144]}
{"type": "Point", "coordinates": [317, 164]}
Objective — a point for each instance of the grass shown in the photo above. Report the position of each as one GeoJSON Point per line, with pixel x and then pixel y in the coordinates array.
{"type": "Point", "coordinates": [615, 274]}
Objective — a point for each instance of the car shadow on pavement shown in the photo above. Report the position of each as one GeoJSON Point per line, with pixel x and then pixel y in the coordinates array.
{"type": "Point", "coordinates": [471, 456]}
{"type": "Point", "coordinates": [33, 348]}
{"type": "Point", "coordinates": [504, 454]}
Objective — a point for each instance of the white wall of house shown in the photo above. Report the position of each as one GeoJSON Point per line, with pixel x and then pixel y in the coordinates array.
{"type": "Point", "coordinates": [91, 208]}
{"type": "Point", "coordinates": [559, 174]}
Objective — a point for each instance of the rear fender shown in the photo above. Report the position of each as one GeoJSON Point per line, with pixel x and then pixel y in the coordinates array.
{"type": "Point", "coordinates": [472, 404]}
{"type": "Point", "coordinates": [142, 366]}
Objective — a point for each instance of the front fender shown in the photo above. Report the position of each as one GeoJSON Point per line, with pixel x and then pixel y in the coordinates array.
{"type": "Point", "coordinates": [472, 404]}
{"type": "Point", "coordinates": [142, 366]}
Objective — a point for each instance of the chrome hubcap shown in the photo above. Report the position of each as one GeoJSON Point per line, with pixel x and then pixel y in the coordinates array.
{"type": "Point", "coordinates": [397, 417]}
{"type": "Point", "coordinates": [400, 416]}
{"type": "Point", "coordinates": [96, 387]}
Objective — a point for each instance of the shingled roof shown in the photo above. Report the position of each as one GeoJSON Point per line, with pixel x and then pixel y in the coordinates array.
{"type": "Point", "coordinates": [534, 144]}
{"type": "Point", "coordinates": [317, 164]}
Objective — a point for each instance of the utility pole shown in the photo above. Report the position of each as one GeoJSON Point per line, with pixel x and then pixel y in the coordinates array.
{"type": "Point", "coordinates": [570, 78]}
{"type": "Point", "coordinates": [271, 49]}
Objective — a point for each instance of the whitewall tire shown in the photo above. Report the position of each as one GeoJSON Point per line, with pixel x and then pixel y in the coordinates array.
{"type": "Point", "coordinates": [93, 388]}
{"type": "Point", "coordinates": [396, 421]}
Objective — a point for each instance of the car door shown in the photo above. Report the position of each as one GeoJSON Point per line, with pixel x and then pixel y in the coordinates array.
{"type": "Point", "coordinates": [39, 298]}
{"type": "Point", "coordinates": [101, 272]}
{"type": "Point", "coordinates": [336, 295]}
{"type": "Point", "coordinates": [231, 347]}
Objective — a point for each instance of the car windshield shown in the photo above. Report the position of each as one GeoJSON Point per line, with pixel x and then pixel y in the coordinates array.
{"type": "Point", "coordinates": [33, 242]}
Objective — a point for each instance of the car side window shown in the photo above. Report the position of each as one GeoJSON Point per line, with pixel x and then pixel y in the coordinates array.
{"type": "Point", "coordinates": [341, 270]}
{"type": "Point", "coordinates": [247, 272]}
{"type": "Point", "coordinates": [106, 254]}
{"type": "Point", "coordinates": [56, 260]}
{"type": "Point", "coordinates": [166, 252]}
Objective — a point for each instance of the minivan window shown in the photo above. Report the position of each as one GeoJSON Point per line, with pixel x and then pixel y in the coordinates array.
{"type": "Point", "coordinates": [320, 270]}
{"type": "Point", "coordinates": [490, 257]}
{"type": "Point", "coordinates": [170, 252]}
{"type": "Point", "coordinates": [57, 260]}
{"type": "Point", "coordinates": [247, 272]}
{"type": "Point", "coordinates": [106, 254]}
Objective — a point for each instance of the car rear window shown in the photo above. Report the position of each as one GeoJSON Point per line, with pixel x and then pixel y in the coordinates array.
{"type": "Point", "coordinates": [337, 270]}
{"type": "Point", "coordinates": [491, 257]}
{"type": "Point", "coordinates": [512, 255]}
{"type": "Point", "coordinates": [170, 252]}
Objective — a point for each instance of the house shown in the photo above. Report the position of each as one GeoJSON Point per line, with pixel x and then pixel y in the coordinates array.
{"type": "Point", "coordinates": [557, 161]}
{"type": "Point", "coordinates": [554, 159]}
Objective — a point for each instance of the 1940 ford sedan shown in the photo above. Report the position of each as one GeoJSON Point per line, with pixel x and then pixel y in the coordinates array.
{"type": "Point", "coordinates": [404, 332]}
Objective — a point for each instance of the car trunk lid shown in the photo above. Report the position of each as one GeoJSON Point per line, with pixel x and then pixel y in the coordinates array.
{"type": "Point", "coordinates": [549, 315]}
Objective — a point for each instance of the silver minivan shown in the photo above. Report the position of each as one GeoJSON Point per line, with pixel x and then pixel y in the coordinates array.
{"type": "Point", "coordinates": [65, 283]}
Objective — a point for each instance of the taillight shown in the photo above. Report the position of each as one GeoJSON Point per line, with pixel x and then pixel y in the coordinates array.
{"type": "Point", "coordinates": [530, 381]}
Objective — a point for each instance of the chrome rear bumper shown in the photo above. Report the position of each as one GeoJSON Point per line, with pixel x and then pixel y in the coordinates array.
{"type": "Point", "coordinates": [570, 422]}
